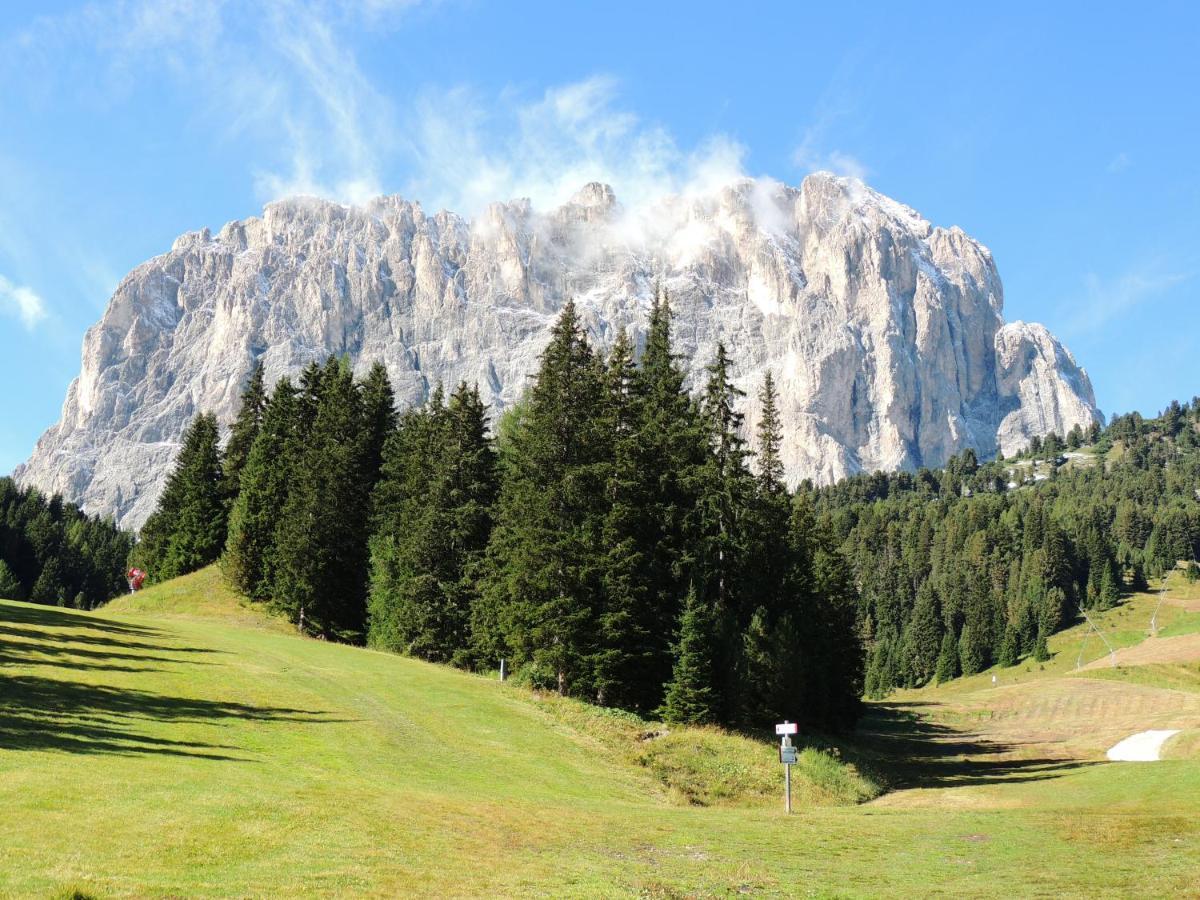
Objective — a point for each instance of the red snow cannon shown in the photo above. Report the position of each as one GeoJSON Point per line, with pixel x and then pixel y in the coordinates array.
{"type": "Point", "coordinates": [135, 577]}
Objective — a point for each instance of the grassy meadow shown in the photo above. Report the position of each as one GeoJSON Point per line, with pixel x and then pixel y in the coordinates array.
{"type": "Point", "coordinates": [181, 743]}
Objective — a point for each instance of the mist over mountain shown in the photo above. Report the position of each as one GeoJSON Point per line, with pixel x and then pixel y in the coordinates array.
{"type": "Point", "coordinates": [885, 333]}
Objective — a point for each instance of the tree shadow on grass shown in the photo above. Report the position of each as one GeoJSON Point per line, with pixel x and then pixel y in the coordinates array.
{"type": "Point", "coordinates": [102, 640]}
{"type": "Point", "coordinates": [68, 657]}
{"type": "Point", "coordinates": [920, 753]}
{"type": "Point", "coordinates": [38, 713]}
{"type": "Point", "coordinates": [47, 714]}
{"type": "Point", "coordinates": [90, 644]}
{"type": "Point", "coordinates": [45, 626]}
{"type": "Point", "coordinates": [56, 617]}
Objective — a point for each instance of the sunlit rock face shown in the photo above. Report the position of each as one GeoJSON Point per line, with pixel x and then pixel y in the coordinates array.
{"type": "Point", "coordinates": [884, 333]}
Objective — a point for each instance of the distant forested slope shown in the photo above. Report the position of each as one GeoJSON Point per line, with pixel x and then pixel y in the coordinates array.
{"type": "Point", "coordinates": [973, 565]}
{"type": "Point", "coordinates": [50, 552]}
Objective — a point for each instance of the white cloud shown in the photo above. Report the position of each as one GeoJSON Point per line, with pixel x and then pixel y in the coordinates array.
{"type": "Point", "coordinates": [282, 72]}
{"type": "Point", "coordinates": [1107, 299]}
{"type": "Point", "coordinates": [469, 150]}
{"type": "Point", "coordinates": [810, 156]}
{"type": "Point", "coordinates": [837, 104]}
{"type": "Point", "coordinates": [22, 302]}
{"type": "Point", "coordinates": [339, 127]}
{"type": "Point", "coordinates": [282, 78]}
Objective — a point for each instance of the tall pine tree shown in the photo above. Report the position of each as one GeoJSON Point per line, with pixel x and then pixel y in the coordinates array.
{"type": "Point", "coordinates": [724, 494]}
{"type": "Point", "coordinates": [630, 644]}
{"type": "Point", "coordinates": [261, 497]}
{"type": "Point", "coordinates": [321, 545]}
{"type": "Point", "coordinates": [692, 697]}
{"type": "Point", "coordinates": [187, 530]}
{"type": "Point", "coordinates": [545, 582]}
{"type": "Point", "coordinates": [244, 430]}
{"type": "Point", "coordinates": [433, 506]}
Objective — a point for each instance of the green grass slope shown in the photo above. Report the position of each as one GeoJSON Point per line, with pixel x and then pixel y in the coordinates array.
{"type": "Point", "coordinates": [177, 743]}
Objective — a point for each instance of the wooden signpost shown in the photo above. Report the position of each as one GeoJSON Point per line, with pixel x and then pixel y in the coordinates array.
{"type": "Point", "coordinates": [787, 756]}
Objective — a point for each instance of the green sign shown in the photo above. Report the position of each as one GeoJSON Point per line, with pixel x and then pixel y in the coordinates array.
{"type": "Point", "coordinates": [787, 755]}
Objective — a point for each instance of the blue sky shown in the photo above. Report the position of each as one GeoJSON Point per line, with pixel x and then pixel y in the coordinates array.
{"type": "Point", "coordinates": [1065, 139]}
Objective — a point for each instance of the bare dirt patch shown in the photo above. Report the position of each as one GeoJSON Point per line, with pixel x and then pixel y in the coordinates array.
{"type": "Point", "coordinates": [958, 751]}
{"type": "Point", "coordinates": [1188, 605]}
{"type": "Point", "coordinates": [1179, 649]}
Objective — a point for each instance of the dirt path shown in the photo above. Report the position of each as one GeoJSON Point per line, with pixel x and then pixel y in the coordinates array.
{"type": "Point", "coordinates": [1144, 746]}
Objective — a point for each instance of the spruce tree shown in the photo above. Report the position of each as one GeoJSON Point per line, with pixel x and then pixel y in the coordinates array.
{"type": "Point", "coordinates": [50, 587]}
{"type": "Point", "coordinates": [672, 449]}
{"type": "Point", "coordinates": [831, 654]}
{"type": "Point", "coordinates": [971, 653]}
{"type": "Point", "coordinates": [471, 480]}
{"type": "Point", "coordinates": [404, 602]}
{"type": "Point", "coordinates": [261, 497]}
{"type": "Point", "coordinates": [379, 415]}
{"type": "Point", "coordinates": [691, 696]}
{"type": "Point", "coordinates": [433, 507]}
{"type": "Point", "coordinates": [1010, 648]}
{"type": "Point", "coordinates": [774, 663]}
{"type": "Point", "coordinates": [947, 661]}
{"type": "Point", "coordinates": [321, 548]}
{"type": "Point", "coordinates": [1110, 593]}
{"type": "Point", "coordinates": [923, 636]}
{"type": "Point", "coordinates": [725, 493]}
{"type": "Point", "coordinates": [771, 681]}
{"type": "Point", "coordinates": [882, 669]}
{"type": "Point", "coordinates": [243, 431]}
{"type": "Point", "coordinates": [770, 439]}
{"type": "Point", "coordinates": [629, 645]}
{"type": "Point", "coordinates": [10, 587]}
{"type": "Point", "coordinates": [1041, 650]}
{"type": "Point", "coordinates": [545, 581]}
{"type": "Point", "coordinates": [187, 530]}
{"type": "Point", "coordinates": [489, 624]}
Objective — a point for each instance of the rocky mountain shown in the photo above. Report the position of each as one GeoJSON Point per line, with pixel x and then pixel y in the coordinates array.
{"type": "Point", "coordinates": [884, 333]}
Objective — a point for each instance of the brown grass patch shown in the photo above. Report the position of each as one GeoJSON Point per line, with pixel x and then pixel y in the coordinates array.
{"type": "Point", "coordinates": [1179, 649]}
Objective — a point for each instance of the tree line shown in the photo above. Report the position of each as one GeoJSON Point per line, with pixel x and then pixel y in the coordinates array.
{"type": "Point", "coordinates": [51, 552]}
{"type": "Point", "coordinates": [976, 565]}
{"type": "Point", "coordinates": [612, 536]}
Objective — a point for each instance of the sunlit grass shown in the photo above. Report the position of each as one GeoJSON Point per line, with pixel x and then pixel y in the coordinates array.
{"type": "Point", "coordinates": [180, 744]}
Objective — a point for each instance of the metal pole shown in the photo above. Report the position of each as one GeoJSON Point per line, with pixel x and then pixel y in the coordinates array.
{"type": "Point", "coordinates": [787, 779]}
{"type": "Point", "coordinates": [1154, 618]}
{"type": "Point", "coordinates": [1112, 654]}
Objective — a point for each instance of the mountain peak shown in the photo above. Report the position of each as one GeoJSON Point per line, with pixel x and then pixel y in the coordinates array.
{"type": "Point", "coordinates": [594, 195]}
{"type": "Point", "coordinates": [884, 333]}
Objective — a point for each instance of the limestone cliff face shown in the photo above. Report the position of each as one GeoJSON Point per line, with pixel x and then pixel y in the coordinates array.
{"type": "Point", "coordinates": [885, 334]}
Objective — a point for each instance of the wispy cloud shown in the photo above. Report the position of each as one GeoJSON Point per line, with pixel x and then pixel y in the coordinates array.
{"type": "Point", "coordinates": [22, 302]}
{"type": "Point", "coordinates": [282, 79]}
{"type": "Point", "coordinates": [1119, 163]}
{"type": "Point", "coordinates": [468, 149]}
{"type": "Point", "coordinates": [339, 127]}
{"type": "Point", "coordinates": [809, 158]}
{"type": "Point", "coordinates": [284, 75]}
{"type": "Point", "coordinates": [280, 72]}
{"type": "Point", "coordinates": [817, 149]}
{"type": "Point", "coordinates": [1106, 299]}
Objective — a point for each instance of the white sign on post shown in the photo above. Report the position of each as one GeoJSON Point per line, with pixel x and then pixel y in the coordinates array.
{"type": "Point", "coordinates": [787, 756]}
